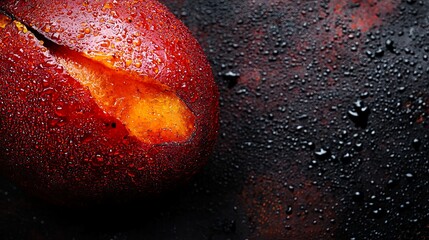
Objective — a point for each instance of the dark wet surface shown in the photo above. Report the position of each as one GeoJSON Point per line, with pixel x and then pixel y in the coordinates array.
{"type": "Point", "coordinates": [324, 131]}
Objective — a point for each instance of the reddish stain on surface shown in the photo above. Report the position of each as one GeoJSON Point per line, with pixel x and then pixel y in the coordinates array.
{"type": "Point", "coordinates": [276, 211]}
{"type": "Point", "coordinates": [363, 14]}
{"type": "Point", "coordinates": [250, 77]}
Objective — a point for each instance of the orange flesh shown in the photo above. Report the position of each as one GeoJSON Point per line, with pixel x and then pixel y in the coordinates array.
{"type": "Point", "coordinates": [149, 110]}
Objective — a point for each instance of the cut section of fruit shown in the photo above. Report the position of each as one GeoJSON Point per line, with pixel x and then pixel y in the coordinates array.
{"type": "Point", "coordinates": [150, 111]}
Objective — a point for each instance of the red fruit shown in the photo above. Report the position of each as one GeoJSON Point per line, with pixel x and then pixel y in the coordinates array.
{"type": "Point", "coordinates": [101, 99]}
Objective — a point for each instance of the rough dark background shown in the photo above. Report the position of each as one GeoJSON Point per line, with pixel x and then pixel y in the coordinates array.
{"type": "Point", "coordinates": [324, 131]}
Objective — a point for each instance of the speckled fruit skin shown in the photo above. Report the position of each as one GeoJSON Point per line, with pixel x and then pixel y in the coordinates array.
{"type": "Point", "coordinates": [56, 142]}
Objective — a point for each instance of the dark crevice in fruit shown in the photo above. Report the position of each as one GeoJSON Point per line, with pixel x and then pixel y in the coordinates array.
{"type": "Point", "coordinates": [2, 11]}
{"type": "Point", "coordinates": [48, 43]}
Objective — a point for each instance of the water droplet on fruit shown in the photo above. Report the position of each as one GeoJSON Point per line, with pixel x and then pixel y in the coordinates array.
{"type": "Point", "coordinates": [49, 94]}
{"type": "Point", "coordinates": [55, 36]}
{"type": "Point", "coordinates": [52, 122]}
{"type": "Point", "coordinates": [46, 28]}
{"type": "Point", "coordinates": [114, 14]}
{"type": "Point", "coordinates": [128, 62]}
{"type": "Point", "coordinates": [60, 111]}
{"type": "Point", "coordinates": [107, 5]}
{"type": "Point", "coordinates": [99, 158]}
{"type": "Point", "coordinates": [138, 64]}
{"type": "Point", "coordinates": [105, 43]}
{"type": "Point", "coordinates": [137, 42]}
{"type": "Point", "coordinates": [56, 122]}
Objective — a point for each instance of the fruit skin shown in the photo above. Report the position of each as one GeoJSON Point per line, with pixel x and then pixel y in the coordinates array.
{"type": "Point", "coordinates": [56, 141]}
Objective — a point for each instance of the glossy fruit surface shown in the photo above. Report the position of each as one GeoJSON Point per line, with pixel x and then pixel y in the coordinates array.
{"type": "Point", "coordinates": [101, 99]}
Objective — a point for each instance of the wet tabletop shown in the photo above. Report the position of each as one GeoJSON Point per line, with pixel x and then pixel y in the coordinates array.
{"type": "Point", "coordinates": [324, 131]}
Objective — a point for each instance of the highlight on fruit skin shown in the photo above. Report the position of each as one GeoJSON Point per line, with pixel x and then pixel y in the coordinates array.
{"type": "Point", "coordinates": [101, 100]}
